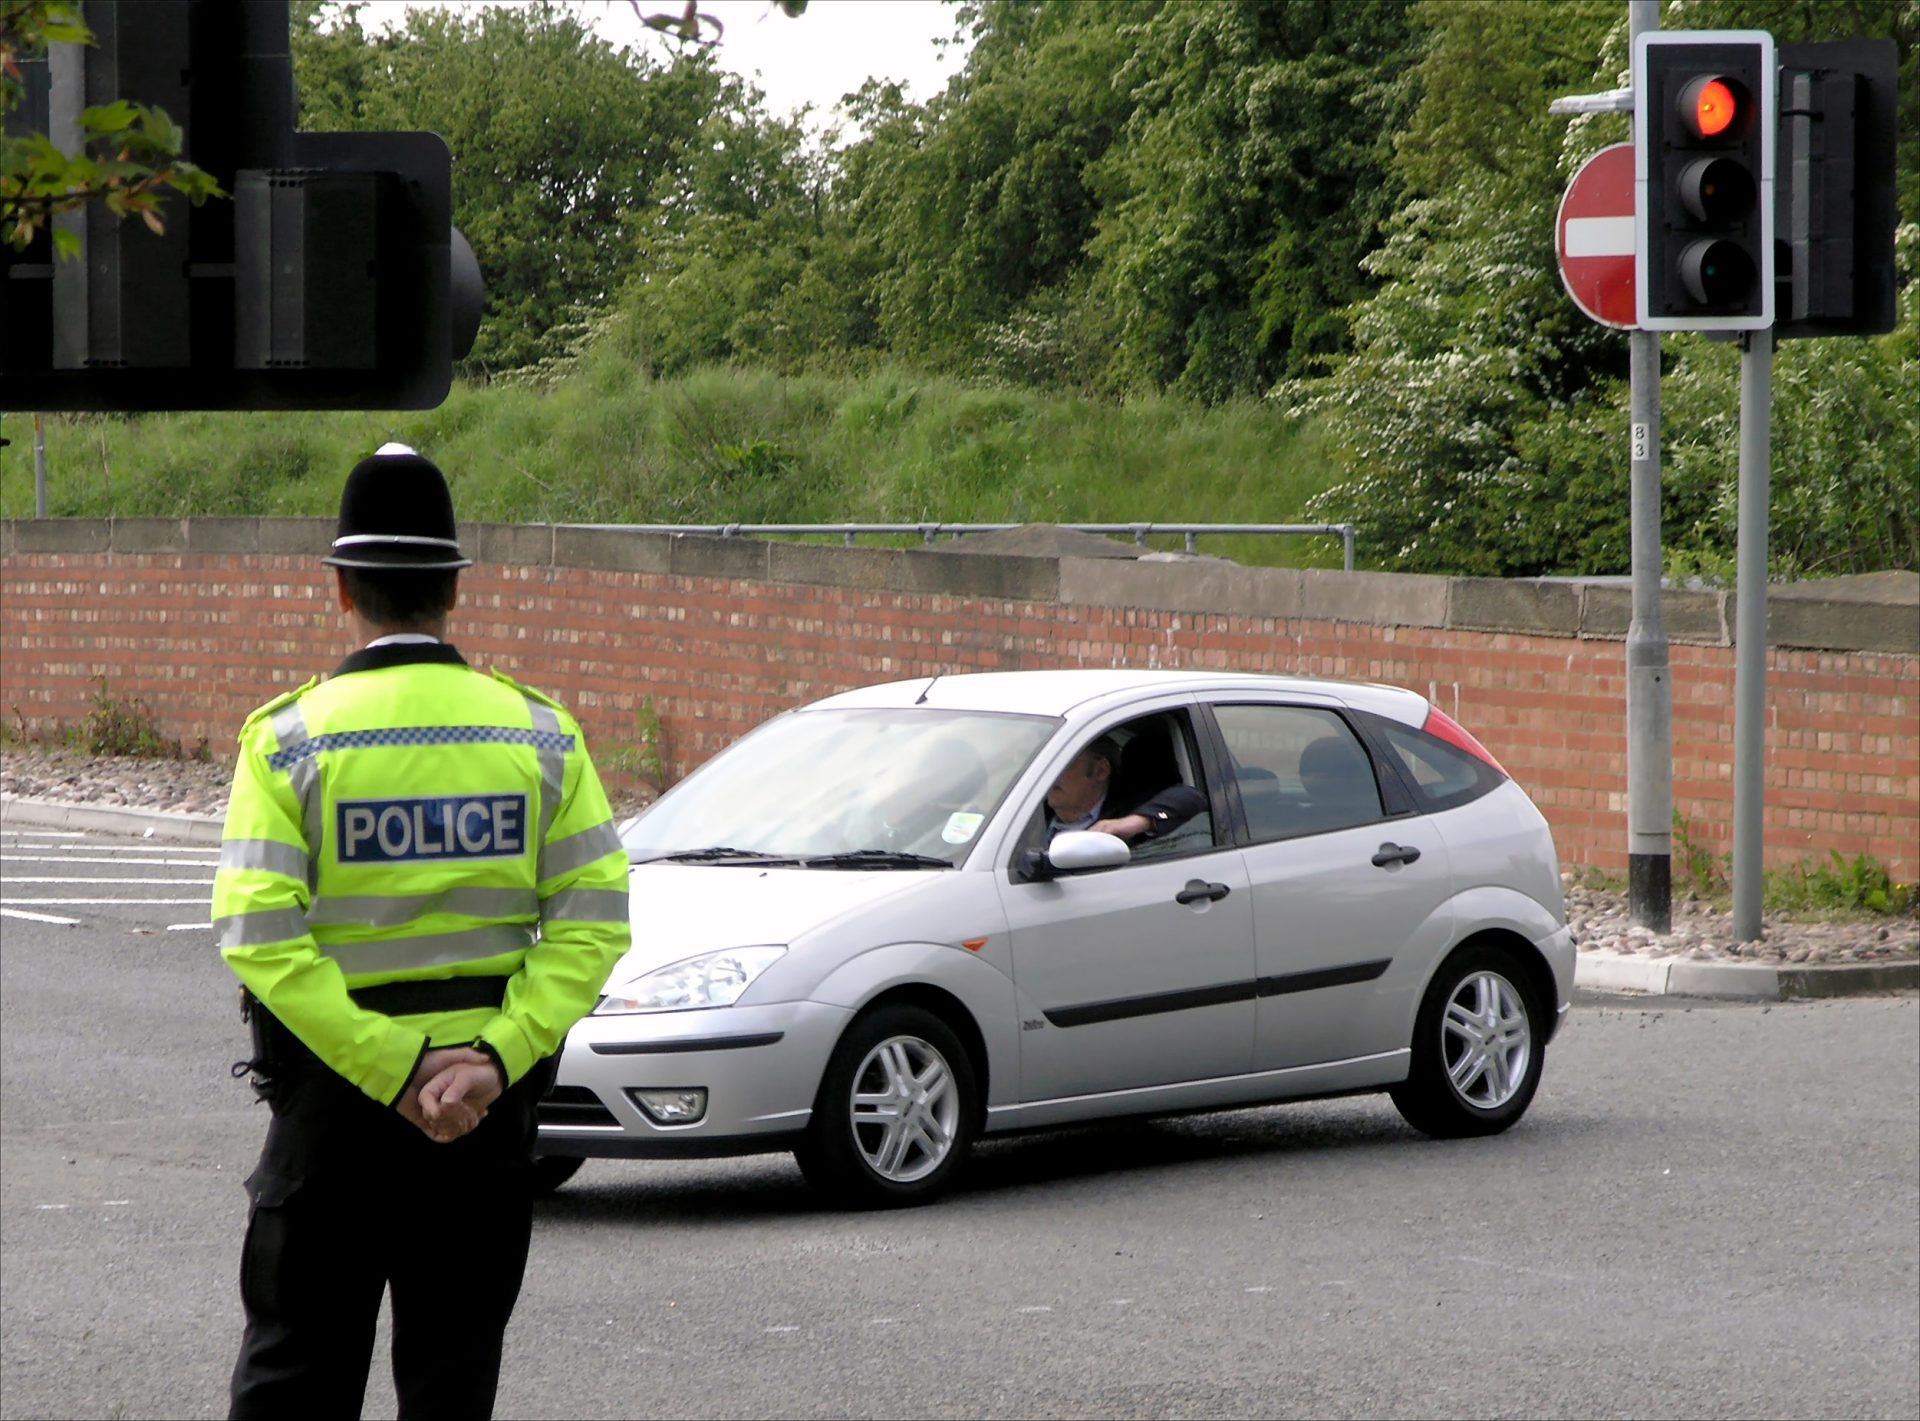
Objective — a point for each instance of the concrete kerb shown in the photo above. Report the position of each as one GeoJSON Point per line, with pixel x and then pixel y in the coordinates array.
{"type": "Point", "coordinates": [17, 812]}
{"type": "Point", "coordinates": [1748, 981]}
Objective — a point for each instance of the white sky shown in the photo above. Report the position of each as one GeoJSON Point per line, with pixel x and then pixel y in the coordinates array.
{"type": "Point", "coordinates": [829, 51]}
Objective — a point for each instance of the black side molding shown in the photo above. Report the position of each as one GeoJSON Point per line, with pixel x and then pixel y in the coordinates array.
{"type": "Point", "coordinates": [686, 1043]}
{"type": "Point", "coordinates": [1322, 977]}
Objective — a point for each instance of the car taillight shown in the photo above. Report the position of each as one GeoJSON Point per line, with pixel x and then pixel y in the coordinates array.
{"type": "Point", "coordinates": [1442, 726]}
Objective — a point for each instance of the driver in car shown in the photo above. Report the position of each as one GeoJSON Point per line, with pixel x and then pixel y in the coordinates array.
{"type": "Point", "coordinates": [1078, 800]}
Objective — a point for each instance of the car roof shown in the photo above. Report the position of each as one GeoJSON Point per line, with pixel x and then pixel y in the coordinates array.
{"type": "Point", "coordinates": [1059, 693]}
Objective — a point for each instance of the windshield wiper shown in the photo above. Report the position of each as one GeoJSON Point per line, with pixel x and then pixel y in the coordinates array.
{"type": "Point", "coordinates": [873, 858]}
{"type": "Point", "coordinates": [721, 851]}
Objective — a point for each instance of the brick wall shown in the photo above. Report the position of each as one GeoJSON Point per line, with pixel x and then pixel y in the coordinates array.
{"type": "Point", "coordinates": [202, 621]}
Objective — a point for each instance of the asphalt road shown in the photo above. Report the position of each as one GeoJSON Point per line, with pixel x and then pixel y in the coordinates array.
{"type": "Point", "coordinates": [1710, 1211]}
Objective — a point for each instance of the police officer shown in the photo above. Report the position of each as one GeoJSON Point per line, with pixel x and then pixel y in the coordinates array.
{"type": "Point", "coordinates": [420, 889]}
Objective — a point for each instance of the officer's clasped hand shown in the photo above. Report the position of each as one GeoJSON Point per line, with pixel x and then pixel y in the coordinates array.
{"type": "Point", "coordinates": [457, 1098]}
{"type": "Point", "coordinates": [424, 1104]}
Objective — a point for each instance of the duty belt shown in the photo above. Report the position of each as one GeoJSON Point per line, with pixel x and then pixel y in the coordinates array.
{"type": "Point", "coordinates": [442, 994]}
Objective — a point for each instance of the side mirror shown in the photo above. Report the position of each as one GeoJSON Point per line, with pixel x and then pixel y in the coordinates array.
{"type": "Point", "coordinates": [1080, 849]}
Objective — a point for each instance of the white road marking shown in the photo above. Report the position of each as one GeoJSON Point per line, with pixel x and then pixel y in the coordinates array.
{"type": "Point", "coordinates": [39, 917]}
{"type": "Point", "coordinates": [47, 833]}
{"type": "Point", "coordinates": [49, 1206]}
{"type": "Point", "coordinates": [189, 927]}
{"type": "Point", "coordinates": [130, 863]}
{"type": "Point", "coordinates": [1263, 1288]}
{"type": "Point", "coordinates": [130, 848]}
{"type": "Point", "coordinates": [11, 878]}
{"type": "Point", "coordinates": [1038, 1309]}
{"type": "Point", "coordinates": [100, 902]}
{"type": "Point", "coordinates": [114, 1203]}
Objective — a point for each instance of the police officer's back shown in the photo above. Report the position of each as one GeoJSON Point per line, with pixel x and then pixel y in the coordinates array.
{"type": "Point", "coordinates": [420, 889]}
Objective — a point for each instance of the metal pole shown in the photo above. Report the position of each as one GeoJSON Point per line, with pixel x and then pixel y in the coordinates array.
{"type": "Point", "coordinates": [39, 466]}
{"type": "Point", "coordinates": [1649, 680]}
{"type": "Point", "coordinates": [1750, 631]}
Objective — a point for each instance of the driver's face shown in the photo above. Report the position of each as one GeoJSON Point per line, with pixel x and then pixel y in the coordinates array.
{"type": "Point", "coordinates": [1079, 787]}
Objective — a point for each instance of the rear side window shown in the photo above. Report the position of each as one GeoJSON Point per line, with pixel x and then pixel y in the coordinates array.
{"type": "Point", "coordinates": [1300, 770]}
{"type": "Point", "coordinates": [1442, 776]}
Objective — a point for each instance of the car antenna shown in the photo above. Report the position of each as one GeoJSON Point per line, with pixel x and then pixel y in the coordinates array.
{"type": "Point", "coordinates": [922, 700]}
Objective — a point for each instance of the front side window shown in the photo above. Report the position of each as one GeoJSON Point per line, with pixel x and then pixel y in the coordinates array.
{"type": "Point", "coordinates": [1300, 770]}
{"type": "Point", "coordinates": [1141, 770]}
{"type": "Point", "coordinates": [818, 783]}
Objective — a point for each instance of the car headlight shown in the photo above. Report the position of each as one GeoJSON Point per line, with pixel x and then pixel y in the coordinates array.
{"type": "Point", "coordinates": [713, 979]}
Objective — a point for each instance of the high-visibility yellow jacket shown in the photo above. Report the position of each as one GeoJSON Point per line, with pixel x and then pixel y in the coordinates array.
{"type": "Point", "coordinates": [410, 820]}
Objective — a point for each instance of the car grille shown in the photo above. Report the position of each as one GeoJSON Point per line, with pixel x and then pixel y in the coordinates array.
{"type": "Point", "coordinates": [574, 1105]}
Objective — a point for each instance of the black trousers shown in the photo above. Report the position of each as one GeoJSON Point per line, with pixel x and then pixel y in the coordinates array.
{"type": "Point", "coordinates": [349, 1201]}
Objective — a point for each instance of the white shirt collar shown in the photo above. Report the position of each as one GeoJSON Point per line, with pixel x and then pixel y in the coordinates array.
{"type": "Point", "coordinates": [404, 639]}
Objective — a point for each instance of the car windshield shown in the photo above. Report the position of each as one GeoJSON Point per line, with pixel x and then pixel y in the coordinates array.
{"type": "Point", "coordinates": [895, 788]}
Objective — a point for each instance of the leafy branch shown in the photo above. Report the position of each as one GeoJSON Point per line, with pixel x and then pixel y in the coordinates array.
{"type": "Point", "coordinates": [129, 155]}
{"type": "Point", "coordinates": [691, 24]}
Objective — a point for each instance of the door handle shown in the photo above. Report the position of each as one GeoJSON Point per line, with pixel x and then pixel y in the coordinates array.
{"type": "Point", "coordinates": [1196, 890]}
{"type": "Point", "coordinates": [1395, 853]}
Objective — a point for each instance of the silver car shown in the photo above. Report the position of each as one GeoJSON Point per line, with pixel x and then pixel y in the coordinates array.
{"type": "Point", "coordinates": [860, 936]}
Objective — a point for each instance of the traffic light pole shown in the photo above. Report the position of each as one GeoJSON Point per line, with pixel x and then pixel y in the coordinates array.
{"type": "Point", "coordinates": [1649, 681]}
{"type": "Point", "coordinates": [1750, 630]}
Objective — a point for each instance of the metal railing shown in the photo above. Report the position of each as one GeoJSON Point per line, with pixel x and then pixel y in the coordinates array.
{"type": "Point", "coordinates": [929, 532]}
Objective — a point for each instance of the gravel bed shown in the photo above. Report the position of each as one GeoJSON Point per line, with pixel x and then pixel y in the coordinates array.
{"type": "Point", "coordinates": [1600, 918]}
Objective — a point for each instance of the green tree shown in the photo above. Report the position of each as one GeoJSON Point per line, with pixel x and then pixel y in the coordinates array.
{"type": "Point", "coordinates": [1479, 420]}
{"type": "Point", "coordinates": [1251, 178]}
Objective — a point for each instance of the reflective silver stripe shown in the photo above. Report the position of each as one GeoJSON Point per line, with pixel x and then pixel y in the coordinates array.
{"type": "Point", "coordinates": [253, 929]}
{"type": "Point", "coordinates": [586, 905]}
{"type": "Point", "coordinates": [290, 728]}
{"type": "Point", "coordinates": [578, 850]}
{"type": "Point", "coordinates": [553, 764]}
{"type": "Point", "coordinates": [391, 910]}
{"type": "Point", "coordinates": [268, 855]}
{"type": "Point", "coordinates": [407, 953]}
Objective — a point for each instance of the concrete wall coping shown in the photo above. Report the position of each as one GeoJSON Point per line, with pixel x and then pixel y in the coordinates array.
{"type": "Point", "coordinates": [1877, 612]}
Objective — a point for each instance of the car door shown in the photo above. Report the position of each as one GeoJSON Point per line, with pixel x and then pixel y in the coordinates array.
{"type": "Point", "coordinates": [1140, 975]}
{"type": "Point", "coordinates": [1350, 887]}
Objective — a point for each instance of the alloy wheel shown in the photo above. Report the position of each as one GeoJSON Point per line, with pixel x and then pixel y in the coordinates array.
{"type": "Point", "coordinates": [906, 1109]}
{"type": "Point", "coordinates": [1486, 1040]}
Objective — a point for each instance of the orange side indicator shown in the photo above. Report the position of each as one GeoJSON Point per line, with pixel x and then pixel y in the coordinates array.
{"type": "Point", "coordinates": [973, 944]}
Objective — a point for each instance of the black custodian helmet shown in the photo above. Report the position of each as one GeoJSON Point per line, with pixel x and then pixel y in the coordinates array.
{"type": "Point", "coordinates": [396, 513]}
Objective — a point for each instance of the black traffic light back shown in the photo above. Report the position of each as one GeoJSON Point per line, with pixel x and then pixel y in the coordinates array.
{"type": "Point", "coordinates": [1834, 198]}
{"type": "Point", "coordinates": [329, 279]}
{"type": "Point", "coordinates": [1703, 155]}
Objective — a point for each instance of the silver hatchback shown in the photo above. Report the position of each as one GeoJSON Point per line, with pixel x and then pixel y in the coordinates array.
{"type": "Point", "coordinates": [902, 917]}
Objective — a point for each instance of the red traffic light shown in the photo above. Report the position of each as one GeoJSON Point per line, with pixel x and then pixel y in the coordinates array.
{"type": "Point", "coordinates": [1716, 106]}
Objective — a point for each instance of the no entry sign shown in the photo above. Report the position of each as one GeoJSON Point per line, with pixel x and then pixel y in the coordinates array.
{"type": "Point", "coordinates": [1594, 237]}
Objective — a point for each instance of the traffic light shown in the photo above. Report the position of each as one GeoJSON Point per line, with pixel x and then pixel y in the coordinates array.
{"type": "Point", "coordinates": [329, 278]}
{"type": "Point", "coordinates": [1703, 133]}
{"type": "Point", "coordinates": [1834, 199]}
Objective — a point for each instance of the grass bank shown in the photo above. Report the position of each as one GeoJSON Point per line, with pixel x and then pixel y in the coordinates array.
{"type": "Point", "coordinates": [606, 445]}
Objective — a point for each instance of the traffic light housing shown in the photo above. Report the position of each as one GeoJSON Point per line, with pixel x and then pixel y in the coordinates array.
{"type": "Point", "coordinates": [1834, 199]}
{"type": "Point", "coordinates": [1703, 132]}
{"type": "Point", "coordinates": [329, 278]}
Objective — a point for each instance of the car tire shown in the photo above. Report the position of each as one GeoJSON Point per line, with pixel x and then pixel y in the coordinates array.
{"type": "Point", "coordinates": [896, 1112]}
{"type": "Point", "coordinates": [552, 1171]}
{"type": "Point", "coordinates": [1478, 1047]}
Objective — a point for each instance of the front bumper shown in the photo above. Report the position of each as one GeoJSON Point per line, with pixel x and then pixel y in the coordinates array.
{"type": "Point", "coordinates": [760, 1066]}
